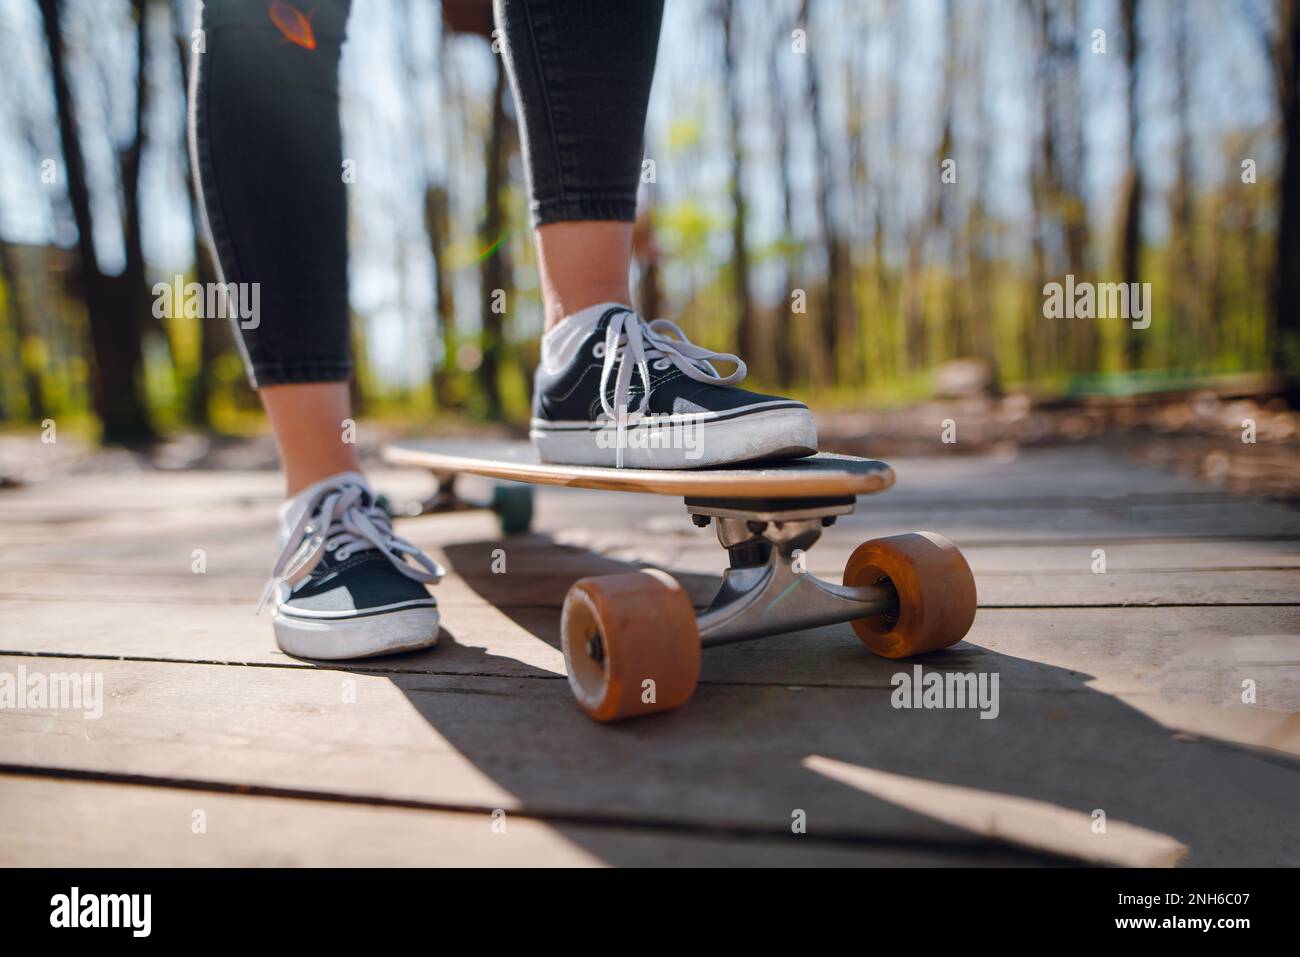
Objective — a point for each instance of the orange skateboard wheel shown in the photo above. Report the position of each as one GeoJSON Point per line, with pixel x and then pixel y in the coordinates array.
{"type": "Point", "coordinates": [631, 644]}
{"type": "Point", "coordinates": [936, 593]}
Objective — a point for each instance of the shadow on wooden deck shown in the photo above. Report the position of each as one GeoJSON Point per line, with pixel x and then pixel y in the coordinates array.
{"type": "Point", "coordinates": [1090, 778]}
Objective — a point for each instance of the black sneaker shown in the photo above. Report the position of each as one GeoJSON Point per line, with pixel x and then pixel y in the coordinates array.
{"type": "Point", "coordinates": [343, 586]}
{"type": "Point", "coordinates": [615, 390]}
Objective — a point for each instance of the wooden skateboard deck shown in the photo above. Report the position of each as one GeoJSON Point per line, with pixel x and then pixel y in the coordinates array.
{"type": "Point", "coordinates": [821, 475]}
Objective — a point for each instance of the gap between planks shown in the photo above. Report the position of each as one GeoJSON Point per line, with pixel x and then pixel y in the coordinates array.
{"type": "Point", "coordinates": [360, 667]}
{"type": "Point", "coordinates": [977, 847]}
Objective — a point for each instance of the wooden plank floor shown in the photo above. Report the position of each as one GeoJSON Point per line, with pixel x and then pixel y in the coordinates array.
{"type": "Point", "coordinates": [1120, 693]}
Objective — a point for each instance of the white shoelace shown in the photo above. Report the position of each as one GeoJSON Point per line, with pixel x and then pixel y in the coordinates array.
{"type": "Point", "coordinates": [629, 334]}
{"type": "Point", "coordinates": [338, 519]}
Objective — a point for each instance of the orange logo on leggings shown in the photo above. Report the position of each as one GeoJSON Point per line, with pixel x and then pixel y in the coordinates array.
{"type": "Point", "coordinates": [296, 28]}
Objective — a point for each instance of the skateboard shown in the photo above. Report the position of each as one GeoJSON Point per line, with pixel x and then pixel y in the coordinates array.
{"type": "Point", "coordinates": [632, 642]}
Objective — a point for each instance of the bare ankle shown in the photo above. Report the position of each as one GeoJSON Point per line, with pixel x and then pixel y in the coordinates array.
{"type": "Point", "coordinates": [583, 264]}
{"type": "Point", "coordinates": [313, 429]}
{"type": "Point", "coordinates": [576, 300]}
{"type": "Point", "coordinates": [300, 475]}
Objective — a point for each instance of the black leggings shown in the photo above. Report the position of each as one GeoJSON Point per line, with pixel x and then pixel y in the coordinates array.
{"type": "Point", "coordinates": [267, 150]}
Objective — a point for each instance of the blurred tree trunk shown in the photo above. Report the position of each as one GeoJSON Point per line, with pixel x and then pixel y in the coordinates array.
{"type": "Point", "coordinates": [1035, 331]}
{"type": "Point", "coordinates": [18, 300]}
{"type": "Point", "coordinates": [443, 377]}
{"type": "Point", "coordinates": [1208, 261]}
{"type": "Point", "coordinates": [1031, 330]}
{"type": "Point", "coordinates": [437, 227]}
{"type": "Point", "coordinates": [844, 367]}
{"type": "Point", "coordinates": [134, 289]}
{"type": "Point", "coordinates": [1070, 112]}
{"type": "Point", "coordinates": [1047, 189]}
{"type": "Point", "coordinates": [214, 335]}
{"type": "Point", "coordinates": [892, 348]}
{"type": "Point", "coordinates": [918, 238]}
{"type": "Point", "coordinates": [1249, 219]}
{"type": "Point", "coordinates": [1189, 337]}
{"type": "Point", "coordinates": [495, 273]}
{"type": "Point", "coordinates": [645, 248]}
{"type": "Point", "coordinates": [113, 304]}
{"type": "Point", "coordinates": [784, 334]}
{"type": "Point", "coordinates": [856, 370]}
{"type": "Point", "coordinates": [1130, 228]}
{"type": "Point", "coordinates": [824, 348]}
{"type": "Point", "coordinates": [746, 337]}
{"type": "Point", "coordinates": [1285, 341]}
{"type": "Point", "coordinates": [980, 335]}
{"type": "Point", "coordinates": [942, 327]}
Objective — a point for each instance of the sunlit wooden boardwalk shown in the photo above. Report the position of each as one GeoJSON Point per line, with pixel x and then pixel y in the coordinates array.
{"type": "Point", "coordinates": [1120, 693]}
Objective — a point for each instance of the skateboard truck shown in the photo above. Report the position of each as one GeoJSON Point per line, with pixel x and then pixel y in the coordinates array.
{"type": "Point", "coordinates": [511, 502]}
{"type": "Point", "coordinates": [766, 591]}
{"type": "Point", "coordinates": [632, 642]}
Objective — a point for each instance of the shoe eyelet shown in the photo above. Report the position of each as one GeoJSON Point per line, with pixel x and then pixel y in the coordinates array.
{"type": "Point", "coordinates": [599, 350]}
{"type": "Point", "coordinates": [662, 364]}
{"type": "Point", "coordinates": [343, 555]}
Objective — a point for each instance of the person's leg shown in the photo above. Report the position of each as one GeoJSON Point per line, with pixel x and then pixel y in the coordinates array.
{"type": "Point", "coordinates": [267, 150]}
{"type": "Point", "coordinates": [611, 388]}
{"type": "Point", "coordinates": [580, 71]}
{"type": "Point", "coordinates": [266, 147]}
